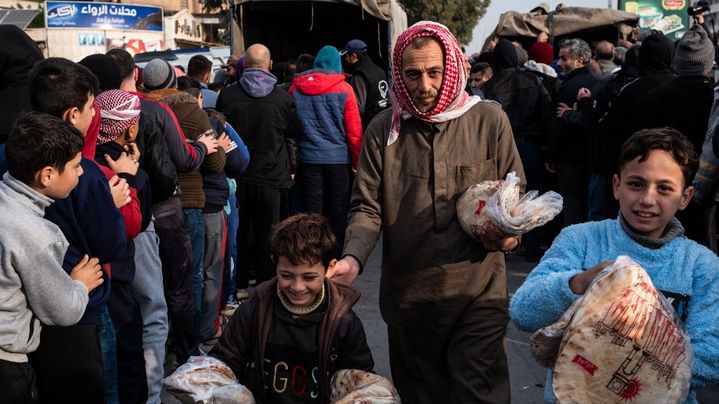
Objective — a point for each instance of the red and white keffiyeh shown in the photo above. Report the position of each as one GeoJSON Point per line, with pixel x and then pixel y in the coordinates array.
{"type": "Point", "coordinates": [118, 111]}
{"type": "Point", "coordinates": [453, 100]}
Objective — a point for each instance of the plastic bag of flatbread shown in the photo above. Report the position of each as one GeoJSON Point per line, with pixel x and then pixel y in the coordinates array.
{"type": "Point", "coordinates": [352, 386]}
{"type": "Point", "coordinates": [620, 342]}
{"type": "Point", "coordinates": [499, 201]}
{"type": "Point", "coordinates": [204, 379]}
{"type": "Point", "coordinates": [544, 343]}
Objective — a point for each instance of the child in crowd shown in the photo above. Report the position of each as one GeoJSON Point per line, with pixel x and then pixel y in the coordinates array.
{"type": "Point", "coordinates": [91, 221]}
{"type": "Point", "coordinates": [118, 130]}
{"type": "Point", "coordinates": [221, 188]}
{"type": "Point", "coordinates": [43, 162]}
{"type": "Point", "coordinates": [217, 192]}
{"type": "Point", "coordinates": [169, 223]}
{"type": "Point", "coordinates": [299, 328]}
{"type": "Point", "coordinates": [656, 169]}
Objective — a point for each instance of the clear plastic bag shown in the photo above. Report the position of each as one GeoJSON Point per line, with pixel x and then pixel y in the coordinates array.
{"type": "Point", "coordinates": [351, 386]}
{"type": "Point", "coordinates": [204, 379]}
{"type": "Point", "coordinates": [500, 202]}
{"type": "Point", "coordinates": [621, 341]}
{"type": "Point", "coordinates": [545, 343]}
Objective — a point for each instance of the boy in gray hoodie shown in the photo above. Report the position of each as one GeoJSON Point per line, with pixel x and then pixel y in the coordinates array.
{"type": "Point", "coordinates": [43, 159]}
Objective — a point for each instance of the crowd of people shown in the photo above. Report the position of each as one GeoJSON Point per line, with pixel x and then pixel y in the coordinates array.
{"type": "Point", "coordinates": [141, 205]}
{"type": "Point", "coordinates": [572, 107]}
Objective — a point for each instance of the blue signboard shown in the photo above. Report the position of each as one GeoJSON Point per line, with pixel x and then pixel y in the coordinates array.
{"type": "Point", "coordinates": [76, 14]}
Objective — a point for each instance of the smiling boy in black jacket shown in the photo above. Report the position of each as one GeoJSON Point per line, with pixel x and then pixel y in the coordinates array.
{"type": "Point", "coordinates": [298, 329]}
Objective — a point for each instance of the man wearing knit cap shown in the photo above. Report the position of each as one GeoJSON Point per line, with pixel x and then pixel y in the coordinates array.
{"type": "Point", "coordinates": [541, 56]}
{"type": "Point", "coordinates": [685, 104]}
{"type": "Point", "coordinates": [105, 69]}
{"type": "Point", "coordinates": [264, 115]}
{"type": "Point", "coordinates": [158, 74]}
{"type": "Point", "coordinates": [530, 119]}
{"type": "Point", "coordinates": [655, 59]}
{"type": "Point", "coordinates": [541, 52]}
{"type": "Point", "coordinates": [189, 154]}
{"type": "Point", "coordinates": [443, 294]}
{"type": "Point", "coordinates": [194, 124]}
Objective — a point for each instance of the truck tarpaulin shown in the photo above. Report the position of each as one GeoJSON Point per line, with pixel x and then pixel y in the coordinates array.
{"type": "Point", "coordinates": [563, 21]}
{"type": "Point", "coordinates": [305, 26]}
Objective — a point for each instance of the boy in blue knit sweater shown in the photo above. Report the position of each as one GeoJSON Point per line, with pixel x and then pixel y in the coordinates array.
{"type": "Point", "coordinates": [656, 169]}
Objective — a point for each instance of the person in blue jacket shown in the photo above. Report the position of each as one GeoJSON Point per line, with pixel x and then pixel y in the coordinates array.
{"type": "Point", "coordinates": [330, 142]}
{"type": "Point", "coordinates": [656, 168]}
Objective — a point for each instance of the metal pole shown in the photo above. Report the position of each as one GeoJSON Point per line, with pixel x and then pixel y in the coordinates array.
{"type": "Point", "coordinates": [229, 26]}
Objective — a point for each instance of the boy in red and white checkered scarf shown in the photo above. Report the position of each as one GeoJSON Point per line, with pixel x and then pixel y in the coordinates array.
{"type": "Point", "coordinates": [119, 111]}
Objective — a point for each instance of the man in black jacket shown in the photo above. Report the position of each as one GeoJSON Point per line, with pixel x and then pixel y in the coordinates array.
{"type": "Point", "coordinates": [368, 81]}
{"type": "Point", "coordinates": [264, 116]}
{"type": "Point", "coordinates": [655, 57]}
{"type": "Point", "coordinates": [170, 226]}
{"type": "Point", "coordinates": [529, 108]}
{"type": "Point", "coordinates": [566, 154]}
{"type": "Point", "coordinates": [685, 105]}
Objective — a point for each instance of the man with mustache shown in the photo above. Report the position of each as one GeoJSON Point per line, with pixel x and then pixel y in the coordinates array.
{"type": "Point", "coordinates": [442, 294]}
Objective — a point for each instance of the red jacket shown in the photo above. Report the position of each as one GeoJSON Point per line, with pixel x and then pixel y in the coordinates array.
{"type": "Point", "coordinates": [331, 124]}
{"type": "Point", "coordinates": [130, 212]}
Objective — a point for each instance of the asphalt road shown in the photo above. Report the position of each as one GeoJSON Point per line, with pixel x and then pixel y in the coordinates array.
{"type": "Point", "coordinates": [526, 376]}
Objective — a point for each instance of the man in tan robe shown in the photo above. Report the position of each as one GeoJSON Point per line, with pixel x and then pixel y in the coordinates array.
{"type": "Point", "coordinates": [442, 294]}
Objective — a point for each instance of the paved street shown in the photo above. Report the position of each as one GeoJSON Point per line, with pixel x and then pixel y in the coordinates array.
{"type": "Point", "coordinates": [527, 378]}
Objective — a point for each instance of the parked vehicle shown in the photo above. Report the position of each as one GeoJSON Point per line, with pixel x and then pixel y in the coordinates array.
{"type": "Point", "coordinates": [299, 27]}
{"type": "Point", "coordinates": [181, 57]}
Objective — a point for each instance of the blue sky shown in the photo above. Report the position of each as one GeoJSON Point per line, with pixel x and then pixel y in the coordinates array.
{"type": "Point", "coordinates": [497, 7]}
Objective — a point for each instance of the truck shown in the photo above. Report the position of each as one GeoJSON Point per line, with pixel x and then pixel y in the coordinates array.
{"type": "Point", "coordinates": [291, 28]}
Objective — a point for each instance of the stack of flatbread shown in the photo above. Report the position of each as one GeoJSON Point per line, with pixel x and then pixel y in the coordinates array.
{"type": "Point", "coordinates": [500, 202]}
{"type": "Point", "coordinates": [351, 386]}
{"type": "Point", "coordinates": [620, 342]}
{"type": "Point", "coordinates": [471, 206]}
{"type": "Point", "coordinates": [204, 379]}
